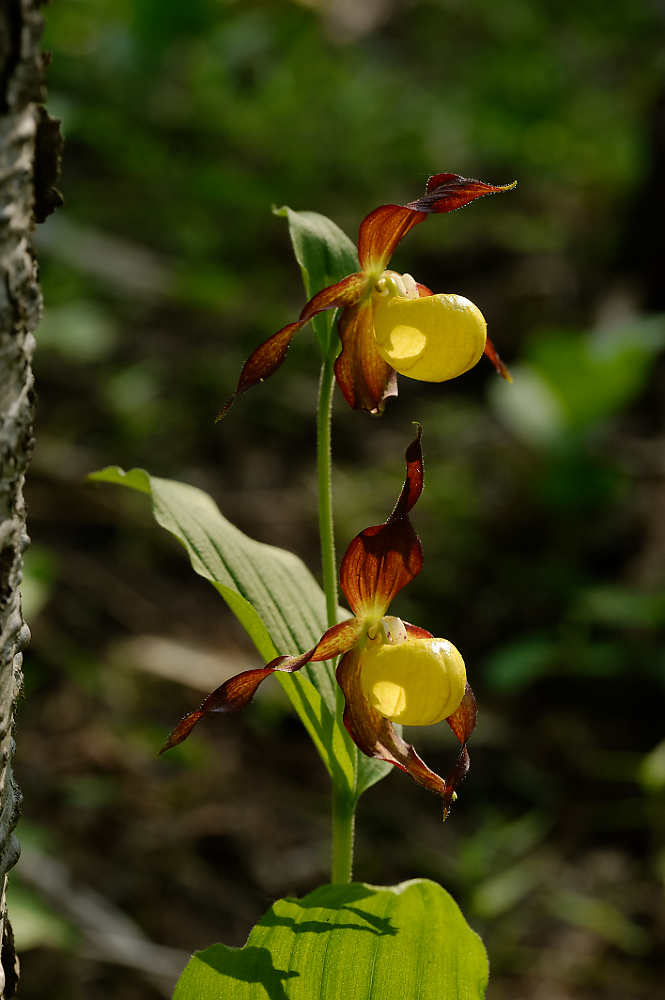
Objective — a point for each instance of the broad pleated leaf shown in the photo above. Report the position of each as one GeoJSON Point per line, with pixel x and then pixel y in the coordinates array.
{"type": "Point", "coordinates": [275, 598]}
{"type": "Point", "coordinates": [361, 942]}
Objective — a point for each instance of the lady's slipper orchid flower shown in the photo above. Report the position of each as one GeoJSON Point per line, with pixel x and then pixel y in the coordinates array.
{"type": "Point", "coordinates": [388, 322]}
{"type": "Point", "coordinates": [390, 671]}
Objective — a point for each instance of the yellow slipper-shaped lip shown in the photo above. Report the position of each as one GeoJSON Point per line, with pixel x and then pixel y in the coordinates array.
{"type": "Point", "coordinates": [431, 339]}
{"type": "Point", "coordinates": [418, 682]}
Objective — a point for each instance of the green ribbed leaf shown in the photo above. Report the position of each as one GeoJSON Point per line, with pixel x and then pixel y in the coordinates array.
{"type": "Point", "coordinates": [274, 597]}
{"type": "Point", "coordinates": [361, 942]}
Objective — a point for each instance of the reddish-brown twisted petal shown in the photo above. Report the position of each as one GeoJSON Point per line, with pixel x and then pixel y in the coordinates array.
{"type": "Point", "coordinates": [381, 231]}
{"type": "Point", "coordinates": [343, 293]}
{"type": "Point", "coordinates": [337, 639]}
{"type": "Point", "coordinates": [238, 691]}
{"type": "Point", "coordinates": [365, 379]}
{"type": "Point", "coordinates": [423, 290]}
{"type": "Point", "coordinates": [385, 557]}
{"type": "Point", "coordinates": [376, 736]}
{"type": "Point", "coordinates": [262, 362]}
{"type": "Point", "coordinates": [267, 358]}
{"type": "Point", "coordinates": [447, 192]}
{"type": "Point", "coordinates": [463, 720]}
{"type": "Point", "coordinates": [493, 355]}
{"type": "Point", "coordinates": [413, 483]}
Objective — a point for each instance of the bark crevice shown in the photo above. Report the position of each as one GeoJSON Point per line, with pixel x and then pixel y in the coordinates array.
{"type": "Point", "coordinates": [28, 171]}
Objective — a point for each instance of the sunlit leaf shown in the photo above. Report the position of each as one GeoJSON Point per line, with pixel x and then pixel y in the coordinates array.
{"type": "Point", "coordinates": [356, 941]}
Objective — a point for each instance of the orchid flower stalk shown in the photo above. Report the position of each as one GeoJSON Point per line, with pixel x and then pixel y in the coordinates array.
{"type": "Point", "coordinates": [390, 671]}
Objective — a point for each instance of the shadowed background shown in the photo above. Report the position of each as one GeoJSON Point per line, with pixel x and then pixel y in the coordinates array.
{"type": "Point", "coordinates": [541, 519]}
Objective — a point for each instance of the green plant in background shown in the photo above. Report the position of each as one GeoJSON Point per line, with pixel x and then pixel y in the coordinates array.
{"type": "Point", "coordinates": [409, 940]}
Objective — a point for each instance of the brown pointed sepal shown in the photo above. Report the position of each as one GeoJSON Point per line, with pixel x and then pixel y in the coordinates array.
{"type": "Point", "coordinates": [238, 691]}
{"type": "Point", "coordinates": [385, 557]}
{"type": "Point", "coordinates": [381, 231]}
{"type": "Point", "coordinates": [447, 192]}
{"type": "Point", "coordinates": [365, 379]}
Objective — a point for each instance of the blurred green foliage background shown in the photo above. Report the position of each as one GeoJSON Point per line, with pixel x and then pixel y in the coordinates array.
{"type": "Point", "coordinates": [542, 519]}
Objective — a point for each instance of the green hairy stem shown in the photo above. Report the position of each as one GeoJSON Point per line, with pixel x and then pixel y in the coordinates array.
{"type": "Point", "coordinates": [343, 807]}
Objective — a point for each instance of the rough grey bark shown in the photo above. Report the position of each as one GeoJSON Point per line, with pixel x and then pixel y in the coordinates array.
{"type": "Point", "coordinates": [29, 151]}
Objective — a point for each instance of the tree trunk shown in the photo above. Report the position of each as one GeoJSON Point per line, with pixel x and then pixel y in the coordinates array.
{"type": "Point", "coordinates": [29, 155]}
